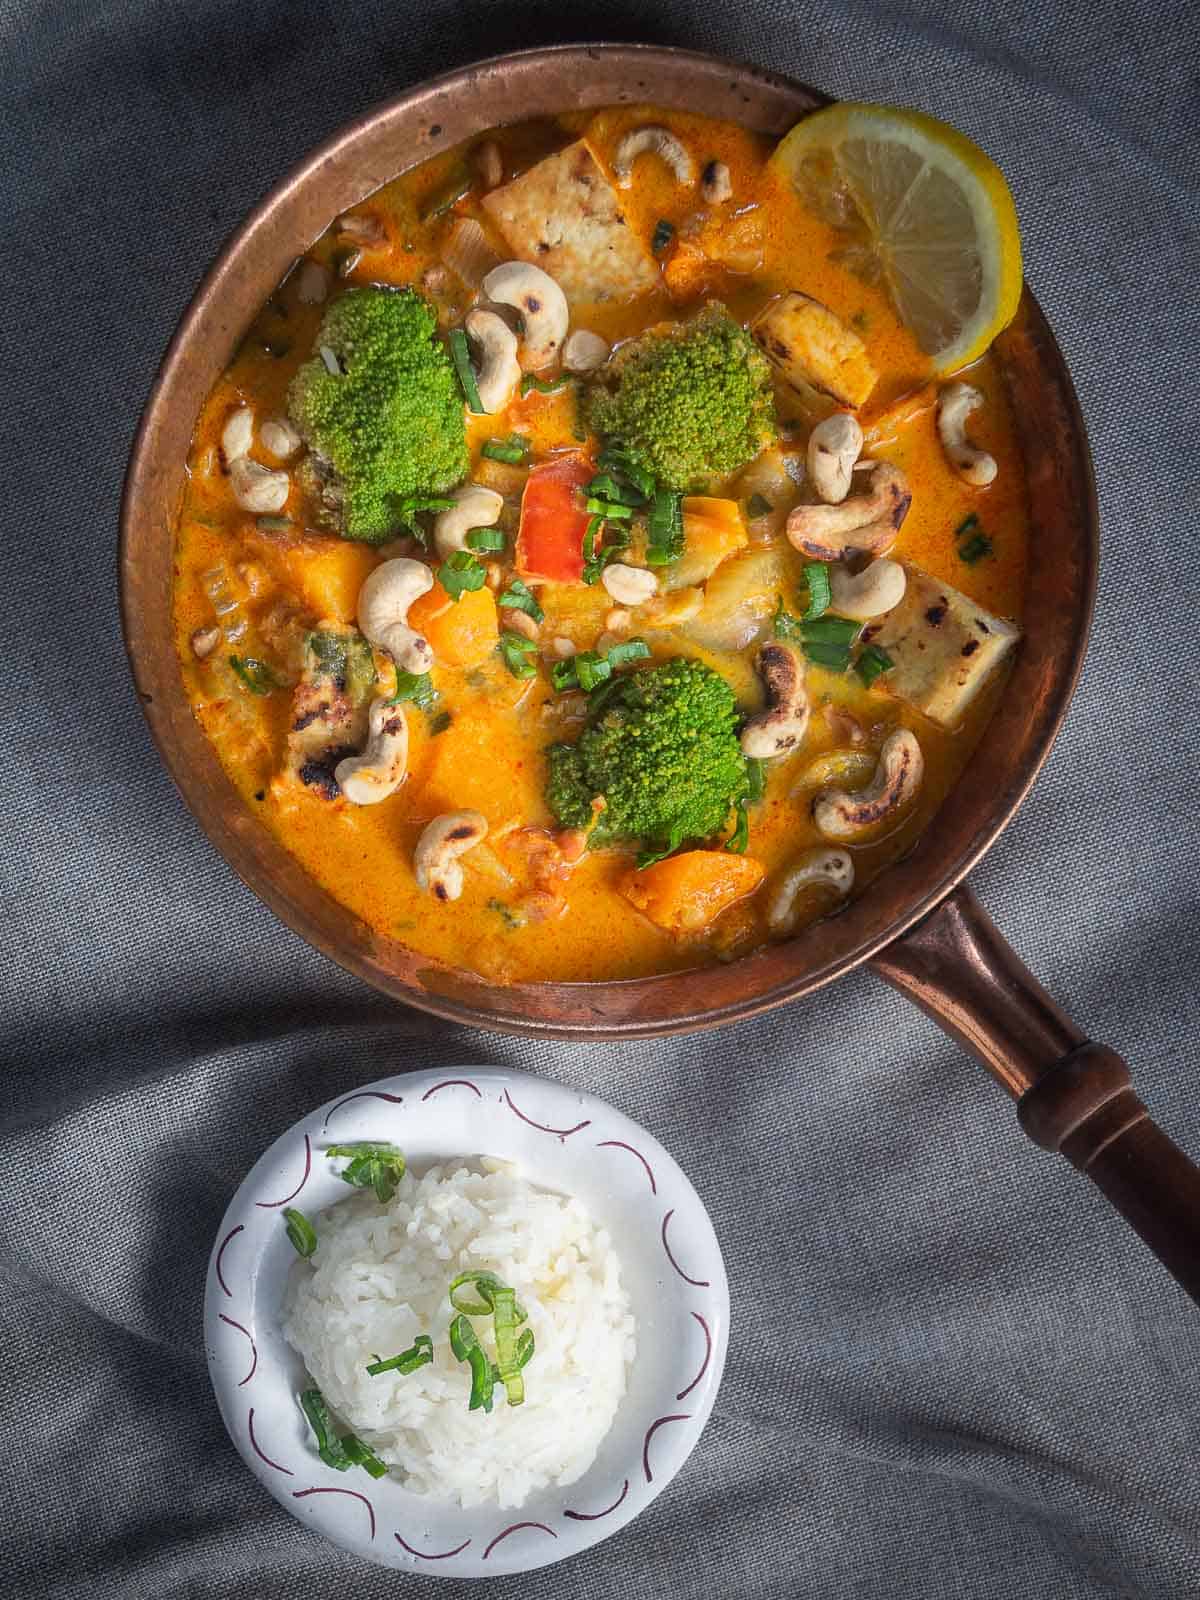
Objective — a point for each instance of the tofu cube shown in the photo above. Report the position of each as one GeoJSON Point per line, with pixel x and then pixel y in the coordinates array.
{"type": "Point", "coordinates": [943, 647]}
{"type": "Point", "coordinates": [815, 351]}
{"type": "Point", "coordinates": [564, 216]}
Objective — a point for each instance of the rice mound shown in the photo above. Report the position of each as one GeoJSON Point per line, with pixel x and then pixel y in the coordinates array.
{"type": "Point", "coordinates": [380, 1276]}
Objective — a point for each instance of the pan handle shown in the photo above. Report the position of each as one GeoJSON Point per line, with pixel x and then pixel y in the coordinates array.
{"type": "Point", "coordinates": [1072, 1096]}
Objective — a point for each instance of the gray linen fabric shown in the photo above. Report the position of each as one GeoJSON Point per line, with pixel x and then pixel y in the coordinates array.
{"type": "Point", "coordinates": [953, 1372]}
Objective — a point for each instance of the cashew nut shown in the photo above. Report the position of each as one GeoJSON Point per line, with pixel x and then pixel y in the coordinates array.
{"type": "Point", "coordinates": [867, 522]}
{"type": "Point", "coordinates": [435, 860]}
{"type": "Point", "coordinates": [877, 589]}
{"type": "Point", "coordinates": [955, 405]}
{"type": "Point", "coordinates": [237, 436]}
{"type": "Point", "coordinates": [833, 447]}
{"type": "Point", "coordinates": [831, 867]}
{"type": "Point", "coordinates": [840, 814]}
{"type": "Point", "coordinates": [716, 186]}
{"type": "Point", "coordinates": [541, 303]}
{"type": "Point", "coordinates": [279, 438]}
{"type": "Point", "coordinates": [383, 603]}
{"type": "Point", "coordinates": [205, 641]}
{"type": "Point", "coordinates": [499, 370]}
{"type": "Point", "coordinates": [629, 586]}
{"type": "Point", "coordinates": [257, 488]}
{"type": "Point", "coordinates": [651, 140]}
{"type": "Point", "coordinates": [379, 770]}
{"type": "Point", "coordinates": [474, 507]}
{"type": "Point", "coordinates": [781, 727]}
{"type": "Point", "coordinates": [584, 351]}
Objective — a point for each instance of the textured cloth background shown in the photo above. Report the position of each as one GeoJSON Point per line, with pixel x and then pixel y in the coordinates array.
{"type": "Point", "coordinates": [953, 1372]}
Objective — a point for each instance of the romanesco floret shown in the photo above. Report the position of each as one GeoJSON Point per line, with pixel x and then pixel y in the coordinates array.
{"type": "Point", "coordinates": [388, 423]}
{"type": "Point", "coordinates": [661, 747]}
{"type": "Point", "coordinates": [692, 404]}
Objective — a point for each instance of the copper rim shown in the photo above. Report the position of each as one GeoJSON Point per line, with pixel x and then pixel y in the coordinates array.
{"type": "Point", "coordinates": [365, 154]}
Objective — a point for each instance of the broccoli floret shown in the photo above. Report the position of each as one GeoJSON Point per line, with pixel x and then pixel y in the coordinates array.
{"type": "Point", "coordinates": [389, 422]}
{"type": "Point", "coordinates": [660, 746]}
{"type": "Point", "coordinates": [691, 404]}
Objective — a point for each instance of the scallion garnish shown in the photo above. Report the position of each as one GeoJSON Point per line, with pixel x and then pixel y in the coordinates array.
{"type": "Point", "coordinates": [756, 779]}
{"type": "Point", "coordinates": [648, 858]}
{"type": "Point", "coordinates": [485, 540]}
{"type": "Point", "coordinates": [300, 1231]}
{"type": "Point", "coordinates": [525, 1347]}
{"type": "Point", "coordinates": [627, 650]}
{"type": "Point", "coordinates": [664, 232]}
{"type": "Point", "coordinates": [975, 549]}
{"type": "Point", "coordinates": [466, 1347]}
{"type": "Point", "coordinates": [363, 1456]}
{"type": "Point", "coordinates": [460, 354]}
{"type": "Point", "coordinates": [562, 675]}
{"type": "Point", "coordinates": [254, 675]}
{"type": "Point", "coordinates": [372, 1166]}
{"type": "Point", "coordinates": [517, 597]}
{"type": "Point", "coordinates": [616, 459]}
{"type": "Point", "coordinates": [504, 1324]}
{"type": "Point", "coordinates": [419, 1354]}
{"type": "Point", "coordinates": [816, 577]}
{"type": "Point", "coordinates": [826, 641]}
{"type": "Point", "coordinates": [461, 573]}
{"type": "Point", "coordinates": [532, 384]}
{"type": "Point", "coordinates": [833, 657]}
{"type": "Point", "coordinates": [589, 668]}
{"type": "Point", "coordinates": [606, 486]}
{"type": "Point", "coordinates": [665, 528]}
{"type": "Point", "coordinates": [414, 686]}
{"type": "Point", "coordinates": [608, 508]}
{"type": "Point", "coordinates": [740, 837]}
{"type": "Point", "coordinates": [871, 663]}
{"type": "Point", "coordinates": [758, 506]}
{"type": "Point", "coordinates": [405, 508]}
{"type": "Point", "coordinates": [329, 1446]}
{"type": "Point", "coordinates": [511, 450]}
{"type": "Point", "coordinates": [517, 650]}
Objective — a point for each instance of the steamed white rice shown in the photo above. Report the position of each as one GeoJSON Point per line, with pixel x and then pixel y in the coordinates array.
{"type": "Point", "coordinates": [380, 1276]}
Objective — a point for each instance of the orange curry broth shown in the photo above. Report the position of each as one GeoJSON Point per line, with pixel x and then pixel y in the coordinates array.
{"type": "Point", "coordinates": [490, 757]}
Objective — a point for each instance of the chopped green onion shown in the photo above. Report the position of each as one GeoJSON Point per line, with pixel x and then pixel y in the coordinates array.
{"type": "Point", "coordinates": [525, 1347]}
{"type": "Point", "coordinates": [414, 686]}
{"type": "Point", "coordinates": [300, 1231]}
{"type": "Point", "coordinates": [466, 1347]}
{"type": "Point", "coordinates": [563, 675]}
{"type": "Point", "coordinates": [363, 1456]}
{"type": "Point", "coordinates": [419, 1354]}
{"type": "Point", "coordinates": [740, 836]}
{"type": "Point", "coordinates": [871, 663]}
{"type": "Point", "coordinates": [664, 232]}
{"type": "Point", "coordinates": [485, 1283]}
{"type": "Point", "coordinates": [516, 650]}
{"type": "Point", "coordinates": [510, 450]}
{"type": "Point", "coordinates": [829, 630]}
{"type": "Point", "coordinates": [256, 676]}
{"type": "Point", "coordinates": [825, 640]}
{"type": "Point", "coordinates": [615, 458]}
{"type": "Point", "coordinates": [461, 573]}
{"type": "Point", "coordinates": [485, 539]}
{"type": "Point", "coordinates": [967, 525]}
{"type": "Point", "coordinates": [816, 576]}
{"type": "Point", "coordinates": [532, 384]}
{"type": "Point", "coordinates": [606, 487]}
{"type": "Point", "coordinates": [372, 1166]}
{"type": "Point", "coordinates": [628, 650]}
{"type": "Point", "coordinates": [649, 857]}
{"type": "Point", "coordinates": [405, 509]}
{"type": "Point", "coordinates": [975, 549]}
{"type": "Point", "coordinates": [519, 598]}
{"type": "Point", "coordinates": [834, 657]}
{"type": "Point", "coordinates": [329, 1446]}
{"type": "Point", "coordinates": [273, 524]}
{"type": "Point", "coordinates": [443, 199]}
{"type": "Point", "coordinates": [439, 723]}
{"type": "Point", "coordinates": [665, 528]}
{"type": "Point", "coordinates": [460, 353]}
{"type": "Point", "coordinates": [504, 1325]}
{"type": "Point", "coordinates": [758, 506]}
{"type": "Point", "coordinates": [608, 508]}
{"type": "Point", "coordinates": [756, 779]}
{"type": "Point", "coordinates": [591, 668]}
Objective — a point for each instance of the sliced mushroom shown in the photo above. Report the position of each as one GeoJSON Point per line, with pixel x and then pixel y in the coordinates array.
{"type": "Point", "coordinates": [841, 814]}
{"type": "Point", "coordinates": [831, 868]}
{"type": "Point", "coordinates": [542, 306]}
{"type": "Point", "coordinates": [833, 447]}
{"type": "Point", "coordinates": [585, 351]}
{"type": "Point", "coordinates": [867, 522]}
{"type": "Point", "coordinates": [379, 771]}
{"type": "Point", "coordinates": [629, 586]}
{"type": "Point", "coordinates": [435, 859]}
{"type": "Point", "coordinates": [876, 590]}
{"type": "Point", "coordinates": [499, 370]}
{"type": "Point", "coordinates": [716, 186]}
{"type": "Point", "coordinates": [781, 727]}
{"type": "Point", "coordinates": [257, 488]}
{"type": "Point", "coordinates": [955, 404]}
{"type": "Point", "coordinates": [383, 603]}
{"type": "Point", "coordinates": [474, 507]}
{"type": "Point", "coordinates": [652, 139]}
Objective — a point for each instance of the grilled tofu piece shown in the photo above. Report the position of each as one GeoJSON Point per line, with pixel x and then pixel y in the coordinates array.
{"type": "Point", "coordinates": [816, 353]}
{"type": "Point", "coordinates": [943, 647]}
{"type": "Point", "coordinates": [330, 707]}
{"type": "Point", "coordinates": [564, 216]}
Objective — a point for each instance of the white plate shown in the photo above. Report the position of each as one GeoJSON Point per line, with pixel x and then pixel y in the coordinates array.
{"type": "Point", "coordinates": [671, 1267]}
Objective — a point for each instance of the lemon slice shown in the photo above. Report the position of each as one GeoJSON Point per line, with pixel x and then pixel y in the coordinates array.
{"type": "Point", "coordinates": [921, 209]}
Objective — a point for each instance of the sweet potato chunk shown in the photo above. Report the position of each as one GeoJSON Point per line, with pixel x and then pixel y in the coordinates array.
{"type": "Point", "coordinates": [463, 632]}
{"type": "Point", "coordinates": [688, 892]}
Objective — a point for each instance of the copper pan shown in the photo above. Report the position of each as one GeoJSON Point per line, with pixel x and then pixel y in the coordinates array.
{"type": "Point", "coordinates": [919, 925]}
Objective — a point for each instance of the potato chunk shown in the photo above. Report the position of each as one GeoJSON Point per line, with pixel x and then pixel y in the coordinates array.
{"type": "Point", "coordinates": [815, 350]}
{"type": "Point", "coordinates": [944, 647]}
{"type": "Point", "coordinates": [563, 215]}
{"type": "Point", "coordinates": [688, 892]}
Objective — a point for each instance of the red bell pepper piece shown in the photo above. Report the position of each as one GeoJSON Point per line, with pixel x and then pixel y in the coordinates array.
{"type": "Point", "coordinates": [553, 519]}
